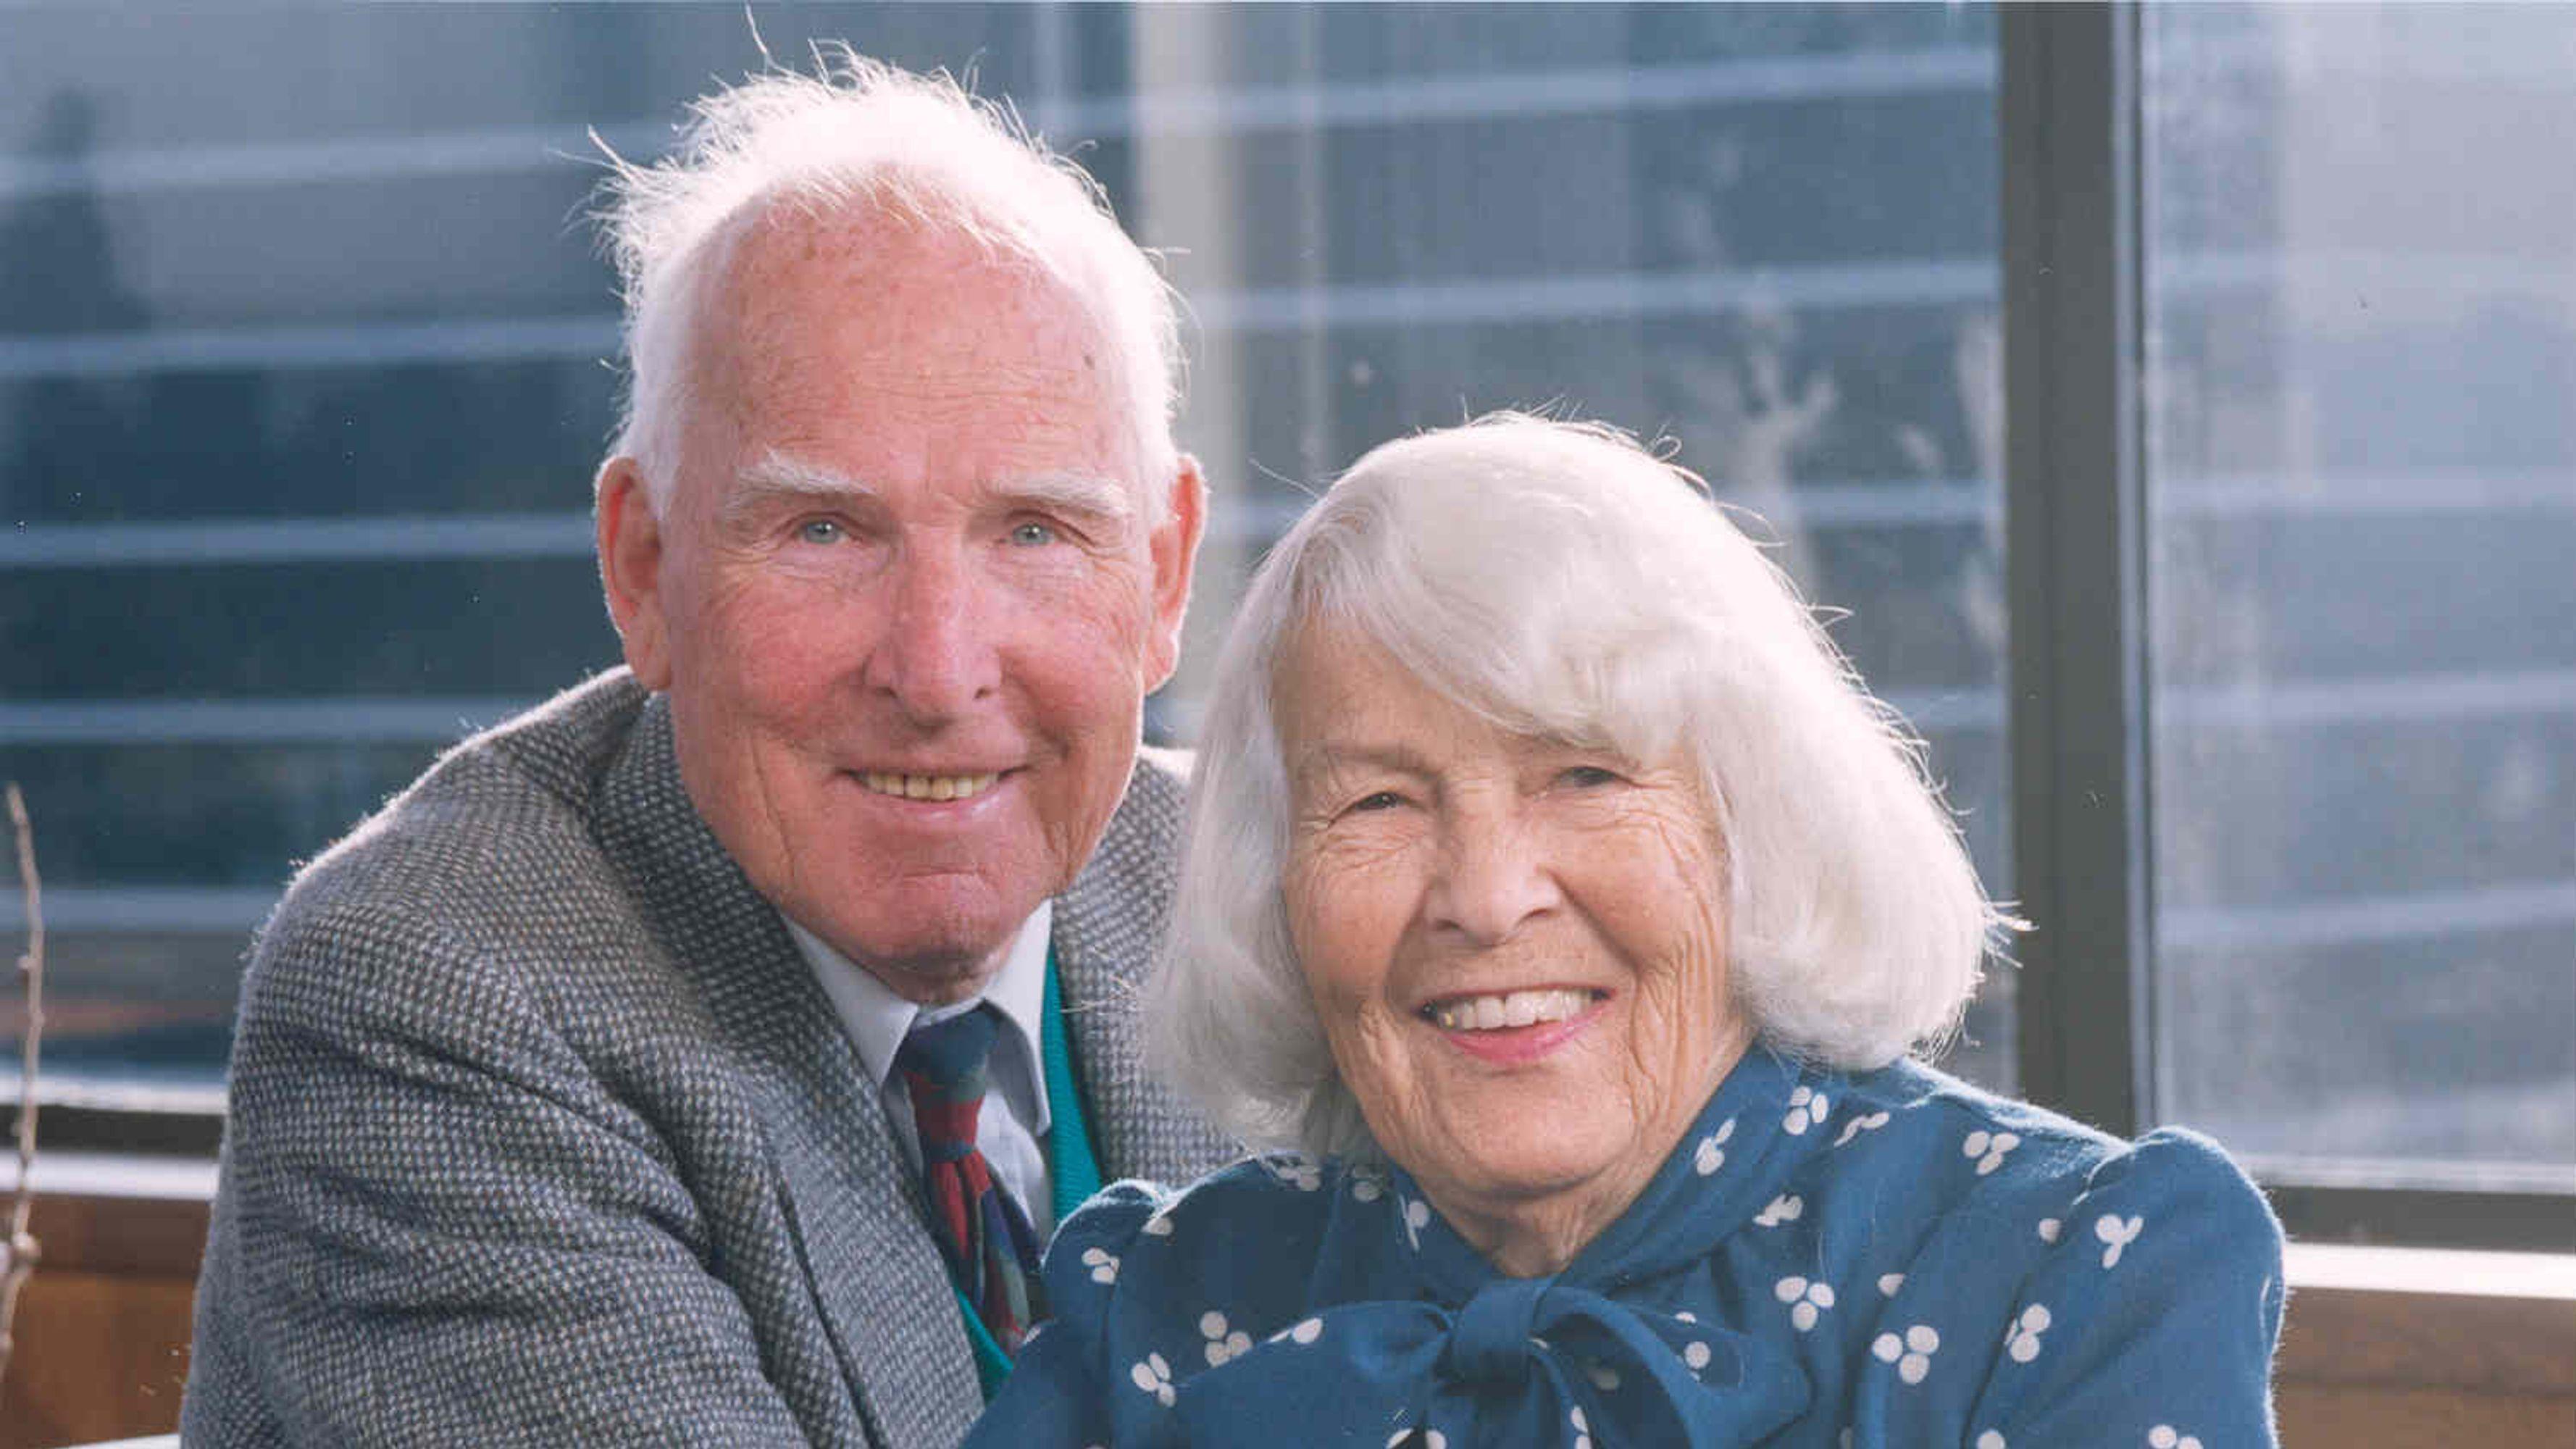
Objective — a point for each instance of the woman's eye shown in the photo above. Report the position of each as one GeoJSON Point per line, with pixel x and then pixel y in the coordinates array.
{"type": "Point", "coordinates": [1382, 800]}
{"type": "Point", "coordinates": [1589, 777]}
{"type": "Point", "coordinates": [1032, 535]}
{"type": "Point", "coordinates": [819, 531]}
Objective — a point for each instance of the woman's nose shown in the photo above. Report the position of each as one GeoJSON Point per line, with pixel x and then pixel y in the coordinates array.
{"type": "Point", "coordinates": [1494, 877]}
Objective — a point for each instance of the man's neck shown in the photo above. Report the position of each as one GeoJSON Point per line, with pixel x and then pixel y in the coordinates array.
{"type": "Point", "coordinates": [876, 1014]}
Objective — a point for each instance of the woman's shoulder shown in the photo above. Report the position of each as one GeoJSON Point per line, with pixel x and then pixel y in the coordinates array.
{"type": "Point", "coordinates": [1136, 1239]}
{"type": "Point", "coordinates": [2063, 1278]}
{"type": "Point", "coordinates": [1141, 1267]}
{"type": "Point", "coordinates": [2021, 1143]}
{"type": "Point", "coordinates": [2032, 1184]}
{"type": "Point", "coordinates": [2055, 1277]}
{"type": "Point", "coordinates": [1264, 1187]}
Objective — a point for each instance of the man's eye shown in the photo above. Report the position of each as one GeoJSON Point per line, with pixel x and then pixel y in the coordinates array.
{"type": "Point", "coordinates": [1033, 535]}
{"type": "Point", "coordinates": [820, 531]}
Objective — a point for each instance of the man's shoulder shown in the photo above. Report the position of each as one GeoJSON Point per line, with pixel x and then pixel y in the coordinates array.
{"type": "Point", "coordinates": [495, 836]}
{"type": "Point", "coordinates": [1137, 861]}
{"type": "Point", "coordinates": [1158, 788]}
{"type": "Point", "coordinates": [1171, 762]}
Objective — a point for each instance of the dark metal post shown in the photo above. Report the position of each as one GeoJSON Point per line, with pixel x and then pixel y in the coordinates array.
{"type": "Point", "coordinates": [2074, 544]}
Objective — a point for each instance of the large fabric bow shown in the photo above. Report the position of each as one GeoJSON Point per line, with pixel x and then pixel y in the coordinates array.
{"type": "Point", "coordinates": [1525, 1361]}
{"type": "Point", "coordinates": [1425, 1335]}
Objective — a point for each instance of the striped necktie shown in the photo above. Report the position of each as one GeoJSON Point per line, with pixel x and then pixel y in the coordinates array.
{"type": "Point", "coordinates": [991, 1250]}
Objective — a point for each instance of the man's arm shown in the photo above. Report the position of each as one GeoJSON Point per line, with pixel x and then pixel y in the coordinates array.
{"type": "Point", "coordinates": [437, 1225]}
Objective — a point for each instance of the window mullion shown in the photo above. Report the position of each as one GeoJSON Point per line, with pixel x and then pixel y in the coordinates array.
{"type": "Point", "coordinates": [2074, 536]}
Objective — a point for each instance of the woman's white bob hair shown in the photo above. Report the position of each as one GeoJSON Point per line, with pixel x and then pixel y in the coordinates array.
{"type": "Point", "coordinates": [860, 136]}
{"type": "Point", "coordinates": [1564, 583]}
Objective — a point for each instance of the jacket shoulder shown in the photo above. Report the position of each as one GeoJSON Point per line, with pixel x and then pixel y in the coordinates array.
{"type": "Point", "coordinates": [490, 854]}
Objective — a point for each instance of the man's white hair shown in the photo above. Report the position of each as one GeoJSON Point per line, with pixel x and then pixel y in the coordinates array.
{"type": "Point", "coordinates": [1564, 583]}
{"type": "Point", "coordinates": [860, 137]}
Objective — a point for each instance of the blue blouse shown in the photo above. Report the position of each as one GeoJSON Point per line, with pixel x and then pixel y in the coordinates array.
{"type": "Point", "coordinates": [1891, 1259]}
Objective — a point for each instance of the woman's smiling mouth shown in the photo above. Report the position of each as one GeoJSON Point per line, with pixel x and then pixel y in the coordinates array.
{"type": "Point", "coordinates": [1501, 1010]}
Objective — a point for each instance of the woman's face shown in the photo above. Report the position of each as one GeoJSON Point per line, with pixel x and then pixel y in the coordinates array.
{"type": "Point", "coordinates": [1516, 947]}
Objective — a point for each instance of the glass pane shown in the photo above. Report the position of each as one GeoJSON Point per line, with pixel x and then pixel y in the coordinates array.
{"type": "Point", "coordinates": [303, 379]}
{"type": "Point", "coordinates": [1767, 233]}
{"type": "Point", "coordinates": [2361, 391]}
{"type": "Point", "coordinates": [301, 347]}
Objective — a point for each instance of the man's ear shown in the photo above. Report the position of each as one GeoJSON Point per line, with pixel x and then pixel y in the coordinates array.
{"type": "Point", "coordinates": [630, 569]}
{"type": "Point", "coordinates": [1175, 547]}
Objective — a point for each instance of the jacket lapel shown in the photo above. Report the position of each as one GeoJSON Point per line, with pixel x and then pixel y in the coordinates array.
{"type": "Point", "coordinates": [1107, 928]}
{"type": "Point", "coordinates": [854, 1212]}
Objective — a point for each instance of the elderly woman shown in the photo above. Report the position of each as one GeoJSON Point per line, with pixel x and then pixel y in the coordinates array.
{"type": "Point", "coordinates": [1555, 889]}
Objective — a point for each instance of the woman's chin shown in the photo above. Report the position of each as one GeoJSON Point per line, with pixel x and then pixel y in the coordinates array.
{"type": "Point", "coordinates": [1537, 1168]}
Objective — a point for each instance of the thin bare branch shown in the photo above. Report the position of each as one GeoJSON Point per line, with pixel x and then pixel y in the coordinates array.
{"type": "Point", "coordinates": [18, 1253]}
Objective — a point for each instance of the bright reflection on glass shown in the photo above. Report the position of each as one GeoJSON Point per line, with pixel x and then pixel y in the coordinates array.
{"type": "Point", "coordinates": [301, 385]}
{"type": "Point", "coordinates": [2361, 391]}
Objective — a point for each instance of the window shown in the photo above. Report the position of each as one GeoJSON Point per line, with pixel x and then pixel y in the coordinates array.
{"type": "Point", "coordinates": [2290, 505]}
{"type": "Point", "coordinates": [2361, 521]}
{"type": "Point", "coordinates": [301, 388]}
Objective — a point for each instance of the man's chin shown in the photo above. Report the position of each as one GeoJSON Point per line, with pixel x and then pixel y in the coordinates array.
{"type": "Point", "coordinates": [934, 981]}
{"type": "Point", "coordinates": [951, 962]}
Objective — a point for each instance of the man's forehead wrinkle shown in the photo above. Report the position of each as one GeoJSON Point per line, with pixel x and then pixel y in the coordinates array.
{"type": "Point", "coordinates": [817, 321]}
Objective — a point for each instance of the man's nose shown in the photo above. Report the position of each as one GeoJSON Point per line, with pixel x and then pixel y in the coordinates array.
{"type": "Point", "coordinates": [937, 656]}
{"type": "Point", "coordinates": [1495, 876]}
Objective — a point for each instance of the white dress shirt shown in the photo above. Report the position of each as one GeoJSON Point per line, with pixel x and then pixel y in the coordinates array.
{"type": "Point", "coordinates": [1011, 1126]}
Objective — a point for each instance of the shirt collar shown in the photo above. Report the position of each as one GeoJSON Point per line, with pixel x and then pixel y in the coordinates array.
{"type": "Point", "coordinates": [877, 1019]}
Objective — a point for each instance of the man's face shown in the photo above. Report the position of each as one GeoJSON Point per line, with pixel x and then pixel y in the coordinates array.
{"type": "Point", "coordinates": [903, 598]}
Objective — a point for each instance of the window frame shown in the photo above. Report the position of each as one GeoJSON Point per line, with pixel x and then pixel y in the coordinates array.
{"type": "Point", "coordinates": [2070, 128]}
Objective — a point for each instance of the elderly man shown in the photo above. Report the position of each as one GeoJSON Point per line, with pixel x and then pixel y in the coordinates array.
{"type": "Point", "coordinates": [625, 1079]}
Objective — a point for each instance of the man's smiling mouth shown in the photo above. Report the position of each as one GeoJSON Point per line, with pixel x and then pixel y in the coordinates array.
{"type": "Point", "coordinates": [927, 787]}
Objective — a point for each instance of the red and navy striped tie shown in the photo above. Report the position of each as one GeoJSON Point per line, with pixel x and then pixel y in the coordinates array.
{"type": "Point", "coordinates": [991, 1250]}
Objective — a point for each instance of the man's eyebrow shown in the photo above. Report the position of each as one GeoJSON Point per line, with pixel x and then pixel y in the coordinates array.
{"type": "Point", "coordinates": [1082, 495]}
{"type": "Point", "coordinates": [781, 477]}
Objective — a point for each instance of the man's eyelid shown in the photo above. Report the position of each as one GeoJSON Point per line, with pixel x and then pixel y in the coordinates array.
{"type": "Point", "coordinates": [1094, 509]}
{"type": "Point", "coordinates": [1063, 531]}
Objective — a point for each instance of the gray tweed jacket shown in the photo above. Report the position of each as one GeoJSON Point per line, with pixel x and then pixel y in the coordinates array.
{"type": "Point", "coordinates": [543, 1133]}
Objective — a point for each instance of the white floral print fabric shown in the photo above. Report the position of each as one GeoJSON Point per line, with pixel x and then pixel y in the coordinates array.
{"type": "Point", "coordinates": [1815, 1244]}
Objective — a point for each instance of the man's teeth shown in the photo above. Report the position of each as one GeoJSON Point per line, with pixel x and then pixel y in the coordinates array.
{"type": "Point", "coordinates": [1518, 1008]}
{"type": "Point", "coordinates": [928, 787]}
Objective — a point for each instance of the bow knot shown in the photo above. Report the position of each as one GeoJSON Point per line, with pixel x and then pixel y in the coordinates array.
{"type": "Point", "coordinates": [1489, 1341]}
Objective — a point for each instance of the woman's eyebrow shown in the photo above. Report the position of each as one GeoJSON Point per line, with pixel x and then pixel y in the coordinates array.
{"type": "Point", "coordinates": [1327, 756]}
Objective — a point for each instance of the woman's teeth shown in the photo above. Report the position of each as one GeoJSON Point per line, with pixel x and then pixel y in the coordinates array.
{"type": "Point", "coordinates": [1518, 1008]}
{"type": "Point", "coordinates": [928, 787]}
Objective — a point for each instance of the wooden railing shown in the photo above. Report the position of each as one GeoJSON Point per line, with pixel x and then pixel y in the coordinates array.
{"type": "Point", "coordinates": [2384, 1349]}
